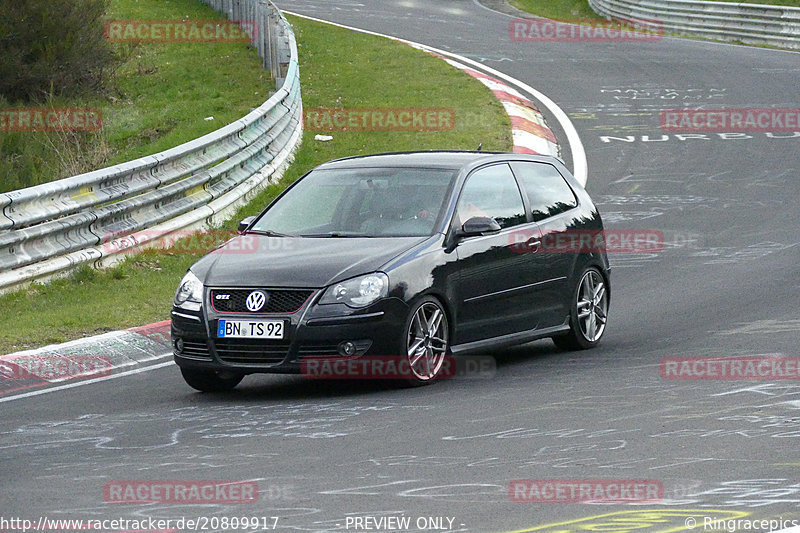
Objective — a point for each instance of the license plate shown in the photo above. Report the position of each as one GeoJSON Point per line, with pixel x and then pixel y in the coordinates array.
{"type": "Point", "coordinates": [251, 329]}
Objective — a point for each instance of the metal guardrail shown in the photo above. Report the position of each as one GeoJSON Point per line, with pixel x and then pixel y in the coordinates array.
{"type": "Point", "coordinates": [748, 23]}
{"type": "Point", "coordinates": [91, 218]}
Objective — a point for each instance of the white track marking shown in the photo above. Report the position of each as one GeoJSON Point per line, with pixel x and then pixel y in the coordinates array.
{"type": "Point", "coordinates": [580, 166]}
{"type": "Point", "coordinates": [88, 381]}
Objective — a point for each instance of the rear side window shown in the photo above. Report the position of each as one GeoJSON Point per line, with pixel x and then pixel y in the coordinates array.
{"type": "Point", "coordinates": [492, 192]}
{"type": "Point", "coordinates": [548, 192]}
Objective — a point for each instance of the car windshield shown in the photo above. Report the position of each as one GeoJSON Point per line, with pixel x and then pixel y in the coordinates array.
{"type": "Point", "coordinates": [363, 202]}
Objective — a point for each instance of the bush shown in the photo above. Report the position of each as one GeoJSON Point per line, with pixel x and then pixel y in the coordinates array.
{"type": "Point", "coordinates": [52, 48]}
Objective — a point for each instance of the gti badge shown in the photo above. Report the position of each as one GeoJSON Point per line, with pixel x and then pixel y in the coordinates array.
{"type": "Point", "coordinates": [256, 301]}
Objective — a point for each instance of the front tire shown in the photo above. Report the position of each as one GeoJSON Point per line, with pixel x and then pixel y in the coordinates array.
{"type": "Point", "coordinates": [588, 312]}
{"type": "Point", "coordinates": [210, 380]}
{"type": "Point", "coordinates": [427, 341]}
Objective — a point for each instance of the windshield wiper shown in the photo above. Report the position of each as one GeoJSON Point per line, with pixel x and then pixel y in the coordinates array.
{"type": "Point", "coordinates": [268, 233]}
{"type": "Point", "coordinates": [337, 234]}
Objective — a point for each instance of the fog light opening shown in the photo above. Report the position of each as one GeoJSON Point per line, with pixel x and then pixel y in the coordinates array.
{"type": "Point", "coordinates": [178, 346]}
{"type": "Point", "coordinates": [354, 348]}
{"type": "Point", "coordinates": [347, 348]}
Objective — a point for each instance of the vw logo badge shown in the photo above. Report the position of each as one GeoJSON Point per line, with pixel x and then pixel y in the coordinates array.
{"type": "Point", "coordinates": [256, 301]}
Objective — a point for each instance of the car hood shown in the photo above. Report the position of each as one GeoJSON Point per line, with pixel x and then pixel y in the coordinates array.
{"type": "Point", "coordinates": [260, 261]}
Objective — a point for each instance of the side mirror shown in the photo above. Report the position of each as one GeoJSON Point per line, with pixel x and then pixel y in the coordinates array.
{"type": "Point", "coordinates": [245, 223]}
{"type": "Point", "coordinates": [479, 226]}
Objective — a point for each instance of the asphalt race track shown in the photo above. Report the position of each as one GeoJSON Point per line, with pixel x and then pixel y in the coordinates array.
{"type": "Point", "coordinates": [726, 283]}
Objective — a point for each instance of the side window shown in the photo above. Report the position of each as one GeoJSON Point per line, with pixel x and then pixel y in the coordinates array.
{"type": "Point", "coordinates": [547, 190]}
{"type": "Point", "coordinates": [492, 192]}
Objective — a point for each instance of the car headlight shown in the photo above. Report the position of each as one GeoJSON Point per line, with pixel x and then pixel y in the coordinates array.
{"type": "Point", "coordinates": [357, 292]}
{"type": "Point", "coordinates": [190, 293]}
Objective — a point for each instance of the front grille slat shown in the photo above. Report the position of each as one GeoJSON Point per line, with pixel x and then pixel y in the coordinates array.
{"type": "Point", "coordinates": [280, 301]}
{"type": "Point", "coordinates": [249, 351]}
{"type": "Point", "coordinates": [198, 349]}
{"type": "Point", "coordinates": [321, 350]}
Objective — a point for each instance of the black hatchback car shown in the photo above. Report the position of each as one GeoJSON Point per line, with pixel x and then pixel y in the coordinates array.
{"type": "Point", "coordinates": [418, 256]}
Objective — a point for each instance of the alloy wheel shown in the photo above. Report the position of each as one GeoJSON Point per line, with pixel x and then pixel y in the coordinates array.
{"type": "Point", "coordinates": [592, 306]}
{"type": "Point", "coordinates": [427, 340]}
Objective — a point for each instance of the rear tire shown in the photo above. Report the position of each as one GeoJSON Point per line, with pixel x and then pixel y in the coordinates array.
{"type": "Point", "coordinates": [588, 312]}
{"type": "Point", "coordinates": [211, 380]}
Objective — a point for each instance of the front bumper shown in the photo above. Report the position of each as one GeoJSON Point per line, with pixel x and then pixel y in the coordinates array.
{"type": "Point", "coordinates": [312, 331]}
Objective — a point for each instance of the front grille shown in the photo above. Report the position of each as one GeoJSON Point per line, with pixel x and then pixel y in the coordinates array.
{"type": "Point", "coordinates": [197, 349]}
{"type": "Point", "coordinates": [318, 350]}
{"type": "Point", "coordinates": [251, 351]}
{"type": "Point", "coordinates": [279, 301]}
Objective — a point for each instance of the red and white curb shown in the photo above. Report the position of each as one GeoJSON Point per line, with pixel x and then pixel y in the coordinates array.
{"type": "Point", "coordinates": [84, 359]}
{"type": "Point", "coordinates": [528, 126]}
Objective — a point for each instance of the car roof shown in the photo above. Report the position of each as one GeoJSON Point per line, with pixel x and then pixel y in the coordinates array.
{"type": "Point", "coordinates": [430, 159]}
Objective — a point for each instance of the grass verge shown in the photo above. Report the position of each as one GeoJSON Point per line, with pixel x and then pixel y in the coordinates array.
{"type": "Point", "coordinates": [160, 97]}
{"type": "Point", "coordinates": [566, 10]}
{"type": "Point", "coordinates": [338, 69]}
